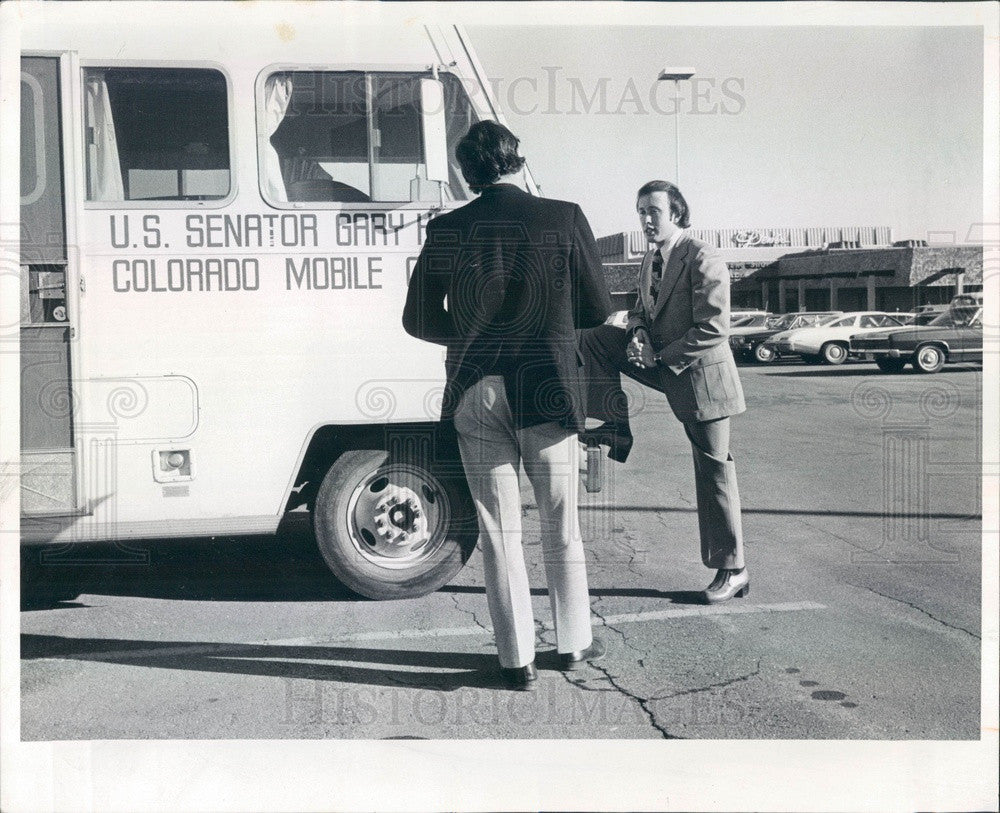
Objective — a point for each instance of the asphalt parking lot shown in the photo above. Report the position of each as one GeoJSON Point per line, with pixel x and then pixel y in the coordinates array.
{"type": "Point", "coordinates": [861, 495]}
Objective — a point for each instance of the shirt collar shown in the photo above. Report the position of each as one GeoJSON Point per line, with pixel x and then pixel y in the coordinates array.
{"type": "Point", "coordinates": [668, 246]}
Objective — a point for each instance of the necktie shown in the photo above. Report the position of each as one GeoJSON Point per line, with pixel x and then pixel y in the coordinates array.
{"type": "Point", "coordinates": [657, 275]}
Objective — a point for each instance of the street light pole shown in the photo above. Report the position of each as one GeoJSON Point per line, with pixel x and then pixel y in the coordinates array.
{"type": "Point", "coordinates": [676, 75]}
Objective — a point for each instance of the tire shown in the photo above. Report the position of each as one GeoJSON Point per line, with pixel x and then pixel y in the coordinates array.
{"type": "Point", "coordinates": [763, 355]}
{"type": "Point", "coordinates": [833, 353]}
{"type": "Point", "coordinates": [392, 529]}
{"type": "Point", "coordinates": [888, 365]}
{"type": "Point", "coordinates": [929, 358]}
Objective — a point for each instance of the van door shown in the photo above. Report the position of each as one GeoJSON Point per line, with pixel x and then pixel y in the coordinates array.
{"type": "Point", "coordinates": [48, 465]}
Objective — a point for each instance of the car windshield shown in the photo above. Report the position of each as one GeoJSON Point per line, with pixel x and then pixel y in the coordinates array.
{"type": "Point", "coordinates": [961, 316]}
{"type": "Point", "coordinates": [812, 319]}
{"type": "Point", "coordinates": [780, 322]}
{"type": "Point", "coordinates": [742, 321]}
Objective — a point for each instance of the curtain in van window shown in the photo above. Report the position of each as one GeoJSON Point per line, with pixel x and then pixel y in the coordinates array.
{"type": "Point", "coordinates": [277, 95]}
{"type": "Point", "coordinates": [105, 176]}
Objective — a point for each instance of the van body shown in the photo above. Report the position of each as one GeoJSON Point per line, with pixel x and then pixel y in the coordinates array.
{"type": "Point", "coordinates": [219, 219]}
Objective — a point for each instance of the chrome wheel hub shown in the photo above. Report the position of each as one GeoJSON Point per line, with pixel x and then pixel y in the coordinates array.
{"type": "Point", "coordinates": [398, 516]}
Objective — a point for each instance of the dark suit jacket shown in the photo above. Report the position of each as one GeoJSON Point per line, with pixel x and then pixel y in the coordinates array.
{"type": "Point", "coordinates": [519, 274]}
{"type": "Point", "coordinates": [688, 325]}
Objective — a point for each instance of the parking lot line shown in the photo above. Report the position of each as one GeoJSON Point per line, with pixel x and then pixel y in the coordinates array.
{"type": "Point", "coordinates": [439, 632]}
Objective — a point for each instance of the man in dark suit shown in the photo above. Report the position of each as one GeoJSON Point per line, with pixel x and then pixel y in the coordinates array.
{"type": "Point", "coordinates": [676, 341]}
{"type": "Point", "coordinates": [519, 275]}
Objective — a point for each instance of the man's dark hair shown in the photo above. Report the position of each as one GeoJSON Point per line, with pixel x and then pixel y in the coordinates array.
{"type": "Point", "coordinates": [678, 206]}
{"type": "Point", "coordinates": [486, 152]}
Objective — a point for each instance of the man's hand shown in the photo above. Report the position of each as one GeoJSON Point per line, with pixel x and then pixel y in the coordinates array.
{"type": "Point", "coordinates": [640, 349]}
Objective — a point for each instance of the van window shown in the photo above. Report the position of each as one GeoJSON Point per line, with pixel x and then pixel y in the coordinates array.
{"type": "Point", "coordinates": [156, 134]}
{"type": "Point", "coordinates": [353, 137]}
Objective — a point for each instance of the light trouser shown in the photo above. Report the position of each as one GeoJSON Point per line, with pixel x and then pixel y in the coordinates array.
{"type": "Point", "coordinates": [491, 450]}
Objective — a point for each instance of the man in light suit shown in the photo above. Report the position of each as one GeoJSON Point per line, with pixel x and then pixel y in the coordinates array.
{"type": "Point", "coordinates": [676, 341]}
{"type": "Point", "coordinates": [503, 282]}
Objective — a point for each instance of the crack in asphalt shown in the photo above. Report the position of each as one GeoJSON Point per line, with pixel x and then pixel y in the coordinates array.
{"type": "Point", "coordinates": [635, 554]}
{"type": "Point", "coordinates": [919, 609]}
{"type": "Point", "coordinates": [883, 595]}
{"type": "Point", "coordinates": [828, 533]}
{"type": "Point", "coordinates": [721, 685]}
{"type": "Point", "coordinates": [616, 686]}
{"type": "Point", "coordinates": [471, 614]}
{"type": "Point", "coordinates": [642, 701]}
{"type": "Point", "coordinates": [622, 635]}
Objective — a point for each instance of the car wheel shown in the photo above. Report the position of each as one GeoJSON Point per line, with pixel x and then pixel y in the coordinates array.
{"type": "Point", "coordinates": [929, 358]}
{"type": "Point", "coordinates": [763, 354]}
{"type": "Point", "coordinates": [891, 365]}
{"type": "Point", "coordinates": [391, 529]}
{"type": "Point", "coordinates": [833, 353]}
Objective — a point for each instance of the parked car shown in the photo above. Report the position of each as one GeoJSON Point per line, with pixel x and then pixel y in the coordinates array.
{"type": "Point", "coordinates": [828, 342]}
{"type": "Point", "coordinates": [955, 335]}
{"type": "Point", "coordinates": [751, 345]}
{"type": "Point", "coordinates": [927, 314]}
{"type": "Point", "coordinates": [741, 318]}
{"type": "Point", "coordinates": [751, 324]}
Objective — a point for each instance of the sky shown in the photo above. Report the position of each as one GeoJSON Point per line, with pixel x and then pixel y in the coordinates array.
{"type": "Point", "coordinates": [793, 126]}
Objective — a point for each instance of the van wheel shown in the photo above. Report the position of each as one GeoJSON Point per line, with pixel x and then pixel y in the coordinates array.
{"type": "Point", "coordinates": [929, 358]}
{"type": "Point", "coordinates": [834, 353]}
{"type": "Point", "coordinates": [391, 529]}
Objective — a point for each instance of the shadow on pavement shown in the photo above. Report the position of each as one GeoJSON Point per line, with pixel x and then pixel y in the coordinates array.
{"type": "Point", "coordinates": [364, 665]}
{"type": "Point", "coordinates": [672, 596]}
{"type": "Point", "coordinates": [286, 566]}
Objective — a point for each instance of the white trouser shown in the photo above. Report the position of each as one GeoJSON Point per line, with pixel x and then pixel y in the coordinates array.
{"type": "Point", "coordinates": [491, 450]}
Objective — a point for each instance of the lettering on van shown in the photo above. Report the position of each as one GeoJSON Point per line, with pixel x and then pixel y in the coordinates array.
{"type": "Point", "coordinates": [332, 273]}
{"type": "Point", "coordinates": [160, 275]}
{"type": "Point", "coordinates": [251, 231]}
{"type": "Point", "coordinates": [220, 231]}
{"type": "Point", "coordinates": [374, 229]}
{"type": "Point", "coordinates": [263, 231]}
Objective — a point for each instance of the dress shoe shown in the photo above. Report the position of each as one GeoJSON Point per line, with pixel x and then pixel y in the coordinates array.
{"type": "Point", "coordinates": [617, 439]}
{"type": "Point", "coordinates": [519, 678]}
{"type": "Point", "coordinates": [726, 585]}
{"type": "Point", "coordinates": [574, 660]}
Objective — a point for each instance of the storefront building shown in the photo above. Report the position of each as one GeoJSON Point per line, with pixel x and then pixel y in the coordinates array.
{"type": "Point", "coordinates": [818, 268]}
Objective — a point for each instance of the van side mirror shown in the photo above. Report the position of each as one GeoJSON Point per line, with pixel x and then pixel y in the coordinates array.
{"type": "Point", "coordinates": [432, 121]}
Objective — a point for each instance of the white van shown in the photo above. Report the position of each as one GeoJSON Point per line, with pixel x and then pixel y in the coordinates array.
{"type": "Point", "coordinates": [219, 218]}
